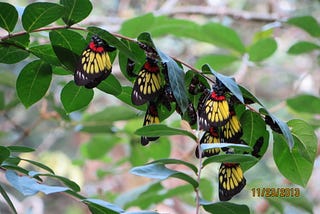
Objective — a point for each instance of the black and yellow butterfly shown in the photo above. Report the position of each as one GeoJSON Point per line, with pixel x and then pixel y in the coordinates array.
{"type": "Point", "coordinates": [232, 130]}
{"type": "Point", "coordinates": [211, 136]}
{"type": "Point", "coordinates": [151, 117]}
{"type": "Point", "coordinates": [231, 180]}
{"type": "Point", "coordinates": [213, 108]}
{"type": "Point", "coordinates": [94, 65]}
{"type": "Point", "coordinates": [148, 83]}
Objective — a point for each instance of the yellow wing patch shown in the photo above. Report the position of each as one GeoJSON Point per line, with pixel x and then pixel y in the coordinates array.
{"type": "Point", "coordinates": [151, 117]}
{"type": "Point", "coordinates": [231, 180]}
{"type": "Point", "coordinates": [147, 85]}
{"type": "Point", "coordinates": [94, 65]}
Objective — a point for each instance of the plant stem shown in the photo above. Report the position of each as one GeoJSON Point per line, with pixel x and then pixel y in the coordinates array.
{"type": "Point", "coordinates": [199, 167]}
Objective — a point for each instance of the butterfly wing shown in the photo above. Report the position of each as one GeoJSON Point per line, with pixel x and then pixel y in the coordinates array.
{"type": "Point", "coordinates": [147, 85]}
{"type": "Point", "coordinates": [232, 130]}
{"type": "Point", "coordinates": [231, 180]}
{"type": "Point", "coordinates": [94, 65]}
{"type": "Point", "coordinates": [214, 112]}
{"type": "Point", "coordinates": [151, 117]}
{"type": "Point", "coordinates": [211, 136]}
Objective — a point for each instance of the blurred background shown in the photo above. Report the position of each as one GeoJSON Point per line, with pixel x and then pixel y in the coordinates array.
{"type": "Point", "coordinates": [98, 154]}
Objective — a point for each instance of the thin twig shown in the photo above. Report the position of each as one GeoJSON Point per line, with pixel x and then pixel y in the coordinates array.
{"type": "Point", "coordinates": [236, 14]}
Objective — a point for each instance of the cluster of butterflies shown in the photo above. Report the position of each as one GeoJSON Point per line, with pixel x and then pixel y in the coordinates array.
{"type": "Point", "coordinates": [215, 110]}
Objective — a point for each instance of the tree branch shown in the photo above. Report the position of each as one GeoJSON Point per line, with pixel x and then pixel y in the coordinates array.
{"type": "Point", "coordinates": [236, 14]}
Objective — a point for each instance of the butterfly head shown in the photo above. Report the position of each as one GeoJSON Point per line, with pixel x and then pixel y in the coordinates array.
{"type": "Point", "coordinates": [96, 44]}
{"type": "Point", "coordinates": [151, 65]}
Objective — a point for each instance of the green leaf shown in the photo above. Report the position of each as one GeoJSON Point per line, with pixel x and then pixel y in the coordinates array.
{"type": "Point", "coordinates": [303, 47]}
{"type": "Point", "coordinates": [159, 150]}
{"type": "Point", "coordinates": [75, 10]}
{"type": "Point", "coordinates": [39, 165]}
{"type": "Point", "coordinates": [225, 208]}
{"type": "Point", "coordinates": [206, 188]}
{"type": "Point", "coordinates": [133, 27]}
{"type": "Point", "coordinates": [283, 127]}
{"type": "Point", "coordinates": [20, 149]}
{"type": "Point", "coordinates": [242, 147]}
{"type": "Point", "coordinates": [138, 196]}
{"type": "Point", "coordinates": [20, 40]}
{"type": "Point", "coordinates": [29, 186]}
{"type": "Point", "coordinates": [159, 171]}
{"type": "Point", "coordinates": [149, 194]}
{"type": "Point", "coordinates": [249, 96]}
{"type": "Point", "coordinates": [71, 184]}
{"type": "Point", "coordinates": [307, 23]}
{"type": "Point", "coordinates": [45, 53]}
{"type": "Point", "coordinates": [227, 82]}
{"type": "Point", "coordinates": [162, 130]}
{"type": "Point", "coordinates": [110, 114]}
{"type": "Point", "coordinates": [216, 61]}
{"type": "Point", "coordinates": [67, 45]}
{"type": "Point", "coordinates": [223, 36]}
{"type": "Point", "coordinates": [176, 80]}
{"type": "Point", "coordinates": [253, 127]}
{"type": "Point", "coordinates": [301, 202]}
{"type": "Point", "coordinates": [8, 200]}
{"type": "Point", "coordinates": [2, 100]}
{"type": "Point", "coordinates": [98, 146]}
{"type": "Point", "coordinates": [33, 82]}
{"type": "Point", "coordinates": [262, 49]}
{"type": "Point", "coordinates": [176, 161]}
{"type": "Point", "coordinates": [74, 97]}
{"type": "Point", "coordinates": [101, 207]}
{"type": "Point", "coordinates": [8, 16]}
{"type": "Point", "coordinates": [113, 41]}
{"type": "Point", "coordinates": [4, 154]}
{"type": "Point", "coordinates": [298, 102]}
{"type": "Point", "coordinates": [123, 59]}
{"type": "Point", "coordinates": [111, 85]}
{"type": "Point", "coordinates": [40, 14]}
{"type": "Point", "coordinates": [297, 164]}
{"type": "Point", "coordinates": [230, 158]}
{"type": "Point", "coordinates": [125, 97]}
{"type": "Point", "coordinates": [10, 54]}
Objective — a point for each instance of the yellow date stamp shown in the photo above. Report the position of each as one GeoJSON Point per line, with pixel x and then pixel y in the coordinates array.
{"type": "Point", "coordinates": [269, 192]}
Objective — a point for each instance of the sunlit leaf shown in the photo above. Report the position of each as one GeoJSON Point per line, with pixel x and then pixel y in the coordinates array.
{"type": "Point", "coordinates": [307, 23]}
{"type": "Point", "coordinates": [262, 49]}
{"type": "Point", "coordinates": [29, 186]}
{"type": "Point", "coordinates": [303, 47]}
{"type": "Point", "coordinates": [159, 171]}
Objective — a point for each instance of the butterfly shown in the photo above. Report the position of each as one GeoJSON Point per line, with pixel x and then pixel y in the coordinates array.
{"type": "Point", "coordinates": [211, 136]}
{"type": "Point", "coordinates": [213, 108]}
{"type": "Point", "coordinates": [147, 84]}
{"type": "Point", "coordinates": [94, 65]}
{"type": "Point", "coordinates": [232, 130]}
{"type": "Point", "coordinates": [231, 180]}
{"type": "Point", "coordinates": [151, 117]}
